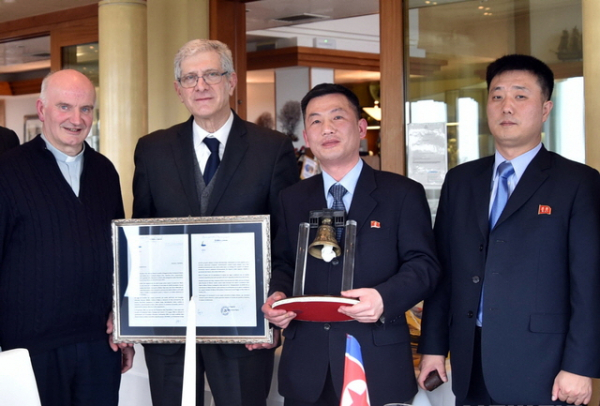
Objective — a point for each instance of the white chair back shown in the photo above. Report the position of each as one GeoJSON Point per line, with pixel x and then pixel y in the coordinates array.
{"type": "Point", "coordinates": [17, 381]}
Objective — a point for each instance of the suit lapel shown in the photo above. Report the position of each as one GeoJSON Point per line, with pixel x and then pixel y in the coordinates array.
{"type": "Point", "coordinates": [184, 156]}
{"type": "Point", "coordinates": [362, 203]}
{"type": "Point", "coordinates": [315, 200]}
{"type": "Point", "coordinates": [235, 149]}
{"type": "Point", "coordinates": [481, 191]}
{"type": "Point", "coordinates": [533, 177]}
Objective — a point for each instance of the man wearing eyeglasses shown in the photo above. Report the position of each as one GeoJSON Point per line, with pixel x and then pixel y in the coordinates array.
{"type": "Point", "coordinates": [214, 164]}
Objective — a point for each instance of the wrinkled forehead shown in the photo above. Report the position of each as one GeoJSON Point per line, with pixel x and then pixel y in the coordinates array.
{"type": "Point", "coordinates": [201, 61]}
{"type": "Point", "coordinates": [71, 87]}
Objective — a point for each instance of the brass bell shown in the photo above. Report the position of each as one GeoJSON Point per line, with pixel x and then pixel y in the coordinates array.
{"type": "Point", "coordinates": [325, 237]}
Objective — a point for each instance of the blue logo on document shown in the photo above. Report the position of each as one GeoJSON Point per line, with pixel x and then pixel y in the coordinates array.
{"type": "Point", "coordinates": [225, 310]}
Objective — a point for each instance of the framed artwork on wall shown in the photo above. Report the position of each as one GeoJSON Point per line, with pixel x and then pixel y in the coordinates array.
{"type": "Point", "coordinates": [32, 126]}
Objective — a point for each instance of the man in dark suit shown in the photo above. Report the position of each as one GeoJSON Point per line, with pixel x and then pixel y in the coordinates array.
{"type": "Point", "coordinates": [177, 175]}
{"type": "Point", "coordinates": [8, 139]}
{"type": "Point", "coordinates": [518, 305]}
{"type": "Point", "coordinates": [395, 263]}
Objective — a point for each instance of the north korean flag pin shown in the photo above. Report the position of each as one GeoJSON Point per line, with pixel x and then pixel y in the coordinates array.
{"type": "Point", "coordinates": [375, 224]}
{"type": "Point", "coordinates": [544, 209]}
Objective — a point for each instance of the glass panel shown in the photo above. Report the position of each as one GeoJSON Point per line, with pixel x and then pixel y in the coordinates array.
{"type": "Point", "coordinates": [84, 58]}
{"type": "Point", "coordinates": [450, 45]}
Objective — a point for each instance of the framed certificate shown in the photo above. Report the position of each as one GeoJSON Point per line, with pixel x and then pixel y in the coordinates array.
{"type": "Point", "coordinates": [223, 262]}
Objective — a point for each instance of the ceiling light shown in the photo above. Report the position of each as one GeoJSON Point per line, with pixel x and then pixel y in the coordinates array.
{"type": "Point", "coordinates": [374, 112]}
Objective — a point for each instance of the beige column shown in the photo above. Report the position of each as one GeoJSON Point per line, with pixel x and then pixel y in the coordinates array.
{"type": "Point", "coordinates": [170, 25]}
{"type": "Point", "coordinates": [591, 74]}
{"type": "Point", "coordinates": [123, 85]}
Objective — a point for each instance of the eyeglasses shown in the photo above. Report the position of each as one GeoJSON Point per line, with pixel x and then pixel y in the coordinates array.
{"type": "Point", "coordinates": [210, 78]}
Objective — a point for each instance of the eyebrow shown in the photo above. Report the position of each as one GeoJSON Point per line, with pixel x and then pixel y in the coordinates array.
{"type": "Point", "coordinates": [337, 109]}
{"type": "Point", "coordinates": [514, 87]}
{"type": "Point", "coordinates": [194, 72]}
{"type": "Point", "coordinates": [90, 106]}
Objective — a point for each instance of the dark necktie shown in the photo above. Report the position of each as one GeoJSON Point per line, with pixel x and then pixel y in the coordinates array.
{"type": "Point", "coordinates": [505, 170]}
{"type": "Point", "coordinates": [213, 160]}
{"type": "Point", "coordinates": [338, 191]}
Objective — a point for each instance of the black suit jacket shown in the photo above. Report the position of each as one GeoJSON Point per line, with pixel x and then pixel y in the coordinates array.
{"type": "Point", "coordinates": [8, 140]}
{"type": "Point", "coordinates": [541, 267]}
{"type": "Point", "coordinates": [397, 258]}
{"type": "Point", "coordinates": [256, 165]}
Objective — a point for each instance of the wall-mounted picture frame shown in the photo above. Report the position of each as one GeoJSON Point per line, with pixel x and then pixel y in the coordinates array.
{"type": "Point", "coordinates": [2, 113]}
{"type": "Point", "coordinates": [223, 262]}
{"type": "Point", "coordinates": [32, 126]}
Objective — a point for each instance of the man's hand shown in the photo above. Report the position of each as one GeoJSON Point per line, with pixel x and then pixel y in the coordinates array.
{"type": "Point", "coordinates": [572, 388]}
{"type": "Point", "coordinates": [368, 310]}
{"type": "Point", "coordinates": [265, 346]}
{"type": "Point", "coordinates": [109, 330]}
{"type": "Point", "coordinates": [430, 363]}
{"type": "Point", "coordinates": [127, 355]}
{"type": "Point", "coordinates": [127, 351]}
{"type": "Point", "coordinates": [279, 317]}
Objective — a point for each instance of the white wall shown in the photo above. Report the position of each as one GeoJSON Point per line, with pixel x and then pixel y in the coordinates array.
{"type": "Point", "coordinates": [17, 107]}
{"type": "Point", "coordinates": [548, 19]}
{"type": "Point", "coordinates": [261, 98]}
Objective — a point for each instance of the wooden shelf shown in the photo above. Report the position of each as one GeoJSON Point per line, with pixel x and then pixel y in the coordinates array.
{"type": "Point", "coordinates": [334, 59]}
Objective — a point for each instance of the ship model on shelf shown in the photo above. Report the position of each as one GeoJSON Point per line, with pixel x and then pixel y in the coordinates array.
{"type": "Point", "coordinates": [570, 46]}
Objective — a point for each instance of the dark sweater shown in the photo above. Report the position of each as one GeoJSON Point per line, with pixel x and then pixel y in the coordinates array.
{"type": "Point", "coordinates": [8, 139]}
{"type": "Point", "coordinates": [56, 262]}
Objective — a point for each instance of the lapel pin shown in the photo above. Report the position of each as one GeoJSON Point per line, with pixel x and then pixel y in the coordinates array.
{"type": "Point", "coordinates": [544, 209]}
{"type": "Point", "coordinates": [375, 224]}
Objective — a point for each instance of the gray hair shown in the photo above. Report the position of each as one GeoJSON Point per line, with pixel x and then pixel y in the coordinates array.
{"type": "Point", "coordinates": [44, 90]}
{"type": "Point", "coordinates": [195, 46]}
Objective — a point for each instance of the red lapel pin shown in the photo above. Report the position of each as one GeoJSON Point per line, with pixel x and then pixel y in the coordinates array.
{"type": "Point", "coordinates": [544, 209]}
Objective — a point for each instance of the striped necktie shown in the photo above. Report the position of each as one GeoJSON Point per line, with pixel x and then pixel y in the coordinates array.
{"type": "Point", "coordinates": [338, 191]}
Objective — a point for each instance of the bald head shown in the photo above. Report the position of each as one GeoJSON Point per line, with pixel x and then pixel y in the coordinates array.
{"type": "Point", "coordinates": [62, 78]}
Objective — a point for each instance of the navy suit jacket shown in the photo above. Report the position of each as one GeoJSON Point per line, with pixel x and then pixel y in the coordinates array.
{"type": "Point", "coordinates": [541, 268]}
{"type": "Point", "coordinates": [256, 165]}
{"type": "Point", "coordinates": [8, 139]}
{"type": "Point", "coordinates": [397, 258]}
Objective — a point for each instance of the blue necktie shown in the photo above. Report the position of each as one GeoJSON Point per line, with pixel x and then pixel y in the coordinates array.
{"type": "Point", "coordinates": [505, 170]}
{"type": "Point", "coordinates": [338, 191]}
{"type": "Point", "coordinates": [213, 160]}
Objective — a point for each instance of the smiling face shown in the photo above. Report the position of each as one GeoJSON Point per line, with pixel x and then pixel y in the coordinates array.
{"type": "Point", "coordinates": [516, 112]}
{"type": "Point", "coordinates": [66, 110]}
{"type": "Point", "coordinates": [333, 133]}
{"type": "Point", "coordinates": [209, 104]}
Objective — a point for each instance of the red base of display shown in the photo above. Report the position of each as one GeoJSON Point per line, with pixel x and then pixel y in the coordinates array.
{"type": "Point", "coordinates": [316, 308]}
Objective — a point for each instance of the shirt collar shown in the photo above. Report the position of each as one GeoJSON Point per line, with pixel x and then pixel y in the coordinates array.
{"type": "Point", "coordinates": [519, 163]}
{"type": "Point", "coordinates": [61, 156]}
{"type": "Point", "coordinates": [222, 134]}
{"type": "Point", "coordinates": [348, 181]}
